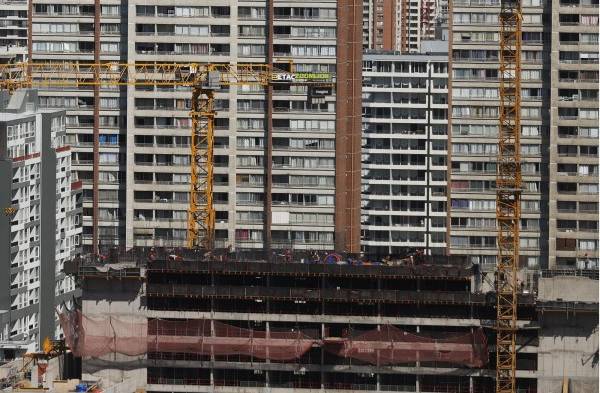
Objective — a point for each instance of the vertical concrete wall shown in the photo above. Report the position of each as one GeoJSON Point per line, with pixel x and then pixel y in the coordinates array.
{"type": "Point", "coordinates": [568, 347]}
{"type": "Point", "coordinates": [5, 261]}
{"type": "Point", "coordinates": [121, 299]}
{"type": "Point", "coordinates": [47, 228]}
{"type": "Point", "coordinates": [568, 341]}
{"type": "Point", "coordinates": [568, 289]}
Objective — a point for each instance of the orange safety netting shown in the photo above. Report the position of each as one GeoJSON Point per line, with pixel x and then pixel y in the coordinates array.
{"type": "Point", "coordinates": [391, 345]}
{"type": "Point", "coordinates": [98, 336]}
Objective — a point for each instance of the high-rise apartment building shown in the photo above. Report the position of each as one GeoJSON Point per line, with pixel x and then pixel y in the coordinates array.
{"type": "Point", "coordinates": [401, 25]}
{"type": "Point", "coordinates": [287, 168]}
{"type": "Point", "coordinates": [474, 131]}
{"type": "Point", "coordinates": [405, 108]}
{"type": "Point", "coordinates": [13, 30]}
{"type": "Point", "coordinates": [66, 31]}
{"type": "Point", "coordinates": [40, 229]}
{"type": "Point", "coordinates": [559, 138]}
{"type": "Point", "coordinates": [573, 139]}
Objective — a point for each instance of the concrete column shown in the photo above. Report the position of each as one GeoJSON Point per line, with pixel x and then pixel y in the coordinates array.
{"type": "Point", "coordinates": [212, 355]}
{"type": "Point", "coordinates": [322, 358]}
{"type": "Point", "coordinates": [34, 376]}
{"type": "Point", "coordinates": [267, 360]}
{"type": "Point", "coordinates": [418, 364]}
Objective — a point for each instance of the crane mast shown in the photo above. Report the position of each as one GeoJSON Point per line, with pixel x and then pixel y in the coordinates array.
{"type": "Point", "coordinates": [508, 193]}
{"type": "Point", "coordinates": [204, 79]}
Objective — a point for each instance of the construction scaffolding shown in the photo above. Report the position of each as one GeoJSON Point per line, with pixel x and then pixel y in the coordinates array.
{"type": "Point", "coordinates": [100, 335]}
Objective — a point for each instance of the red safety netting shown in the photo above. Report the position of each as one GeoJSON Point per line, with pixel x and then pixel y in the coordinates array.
{"type": "Point", "coordinates": [391, 345]}
{"type": "Point", "coordinates": [101, 335]}
{"type": "Point", "coordinates": [202, 337]}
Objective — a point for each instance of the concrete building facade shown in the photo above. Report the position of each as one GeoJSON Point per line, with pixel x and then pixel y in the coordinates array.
{"type": "Point", "coordinates": [401, 25]}
{"type": "Point", "coordinates": [67, 31]}
{"type": "Point", "coordinates": [573, 139]}
{"type": "Point", "coordinates": [40, 227]}
{"type": "Point", "coordinates": [474, 132]}
{"type": "Point", "coordinates": [405, 109]}
{"type": "Point", "coordinates": [559, 145]}
{"type": "Point", "coordinates": [13, 30]}
{"type": "Point", "coordinates": [277, 178]}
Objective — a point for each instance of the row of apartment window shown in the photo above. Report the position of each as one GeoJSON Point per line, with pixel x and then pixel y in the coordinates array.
{"type": "Point", "coordinates": [490, 242]}
{"type": "Point", "coordinates": [292, 143]}
{"type": "Point", "coordinates": [472, 222]}
{"type": "Point", "coordinates": [577, 225]}
{"type": "Point", "coordinates": [287, 180]}
{"type": "Point", "coordinates": [414, 82]}
{"type": "Point", "coordinates": [244, 198]}
{"type": "Point", "coordinates": [72, 9]}
{"type": "Point", "coordinates": [403, 237]}
{"type": "Point", "coordinates": [488, 185]}
{"type": "Point", "coordinates": [576, 57]}
{"type": "Point", "coordinates": [491, 130]}
{"type": "Point", "coordinates": [459, 111]}
{"type": "Point", "coordinates": [287, 236]}
{"type": "Point", "coordinates": [243, 12]}
{"type": "Point", "coordinates": [405, 113]}
{"type": "Point", "coordinates": [496, 3]}
{"type": "Point", "coordinates": [577, 113]}
{"type": "Point", "coordinates": [577, 188]}
{"type": "Point", "coordinates": [158, 215]}
{"type": "Point", "coordinates": [406, 206]}
{"type": "Point", "coordinates": [578, 38]}
{"type": "Point", "coordinates": [489, 205]}
{"type": "Point", "coordinates": [405, 67]}
{"type": "Point", "coordinates": [256, 217]}
{"type": "Point", "coordinates": [577, 19]}
{"type": "Point", "coordinates": [491, 55]}
{"type": "Point", "coordinates": [490, 18]}
{"type": "Point", "coordinates": [574, 207]}
{"type": "Point", "coordinates": [20, 131]}
{"type": "Point", "coordinates": [493, 93]}
{"type": "Point", "coordinates": [79, 102]}
{"type": "Point", "coordinates": [575, 169]}
{"type": "Point", "coordinates": [75, 47]}
{"type": "Point", "coordinates": [576, 245]}
{"type": "Point", "coordinates": [490, 148]}
{"type": "Point", "coordinates": [406, 175]}
{"type": "Point", "coordinates": [404, 221]}
{"type": "Point", "coordinates": [575, 150]}
{"type": "Point", "coordinates": [490, 167]}
{"type": "Point", "coordinates": [243, 31]}
{"type": "Point", "coordinates": [492, 74]}
{"type": "Point", "coordinates": [75, 28]}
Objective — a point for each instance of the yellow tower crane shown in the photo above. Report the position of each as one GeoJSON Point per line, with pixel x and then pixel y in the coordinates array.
{"type": "Point", "coordinates": [508, 194]}
{"type": "Point", "coordinates": [203, 80]}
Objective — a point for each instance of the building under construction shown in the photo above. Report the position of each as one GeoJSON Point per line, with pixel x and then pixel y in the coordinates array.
{"type": "Point", "coordinates": [167, 321]}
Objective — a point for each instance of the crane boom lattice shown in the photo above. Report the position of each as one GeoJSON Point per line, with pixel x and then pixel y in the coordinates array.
{"type": "Point", "coordinates": [202, 78]}
{"type": "Point", "coordinates": [508, 194]}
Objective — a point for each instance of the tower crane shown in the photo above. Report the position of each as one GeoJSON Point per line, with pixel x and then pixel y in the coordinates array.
{"type": "Point", "coordinates": [204, 79]}
{"type": "Point", "coordinates": [508, 193]}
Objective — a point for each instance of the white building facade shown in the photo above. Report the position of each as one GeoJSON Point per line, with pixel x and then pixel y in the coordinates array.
{"type": "Point", "coordinates": [405, 108]}
{"type": "Point", "coordinates": [41, 228]}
